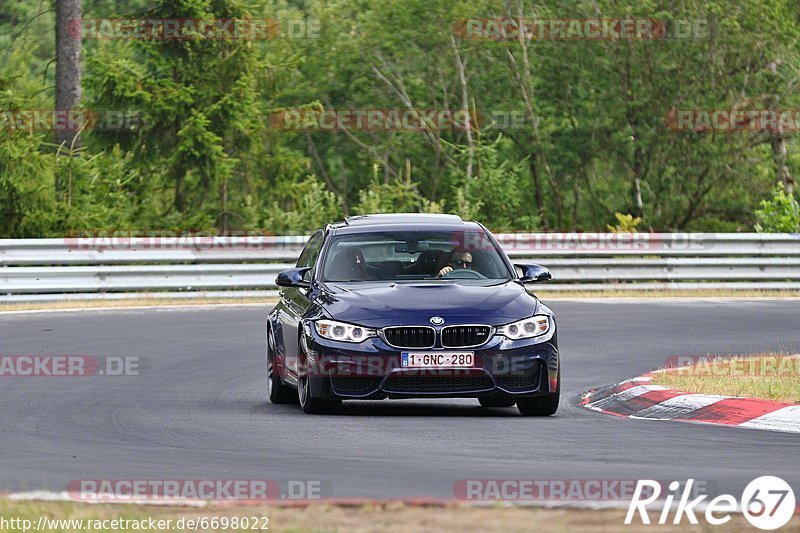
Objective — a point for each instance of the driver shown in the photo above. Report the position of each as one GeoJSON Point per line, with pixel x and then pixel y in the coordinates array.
{"type": "Point", "coordinates": [459, 259]}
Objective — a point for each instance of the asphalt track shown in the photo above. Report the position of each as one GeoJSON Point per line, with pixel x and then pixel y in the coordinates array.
{"type": "Point", "coordinates": [198, 409]}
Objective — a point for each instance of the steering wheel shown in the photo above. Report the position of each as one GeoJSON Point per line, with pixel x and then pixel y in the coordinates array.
{"type": "Point", "coordinates": [463, 273]}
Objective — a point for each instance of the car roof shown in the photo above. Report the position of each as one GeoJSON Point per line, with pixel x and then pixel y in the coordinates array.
{"type": "Point", "coordinates": [402, 218]}
{"type": "Point", "coordinates": [403, 221]}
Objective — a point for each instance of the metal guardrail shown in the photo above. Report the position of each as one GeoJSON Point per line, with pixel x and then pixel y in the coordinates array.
{"type": "Point", "coordinates": [119, 267]}
{"type": "Point", "coordinates": [109, 250]}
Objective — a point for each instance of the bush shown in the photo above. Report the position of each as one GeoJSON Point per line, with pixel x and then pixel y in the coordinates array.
{"type": "Point", "coordinates": [304, 208]}
{"type": "Point", "coordinates": [781, 214]}
{"type": "Point", "coordinates": [625, 224]}
{"type": "Point", "coordinates": [401, 196]}
{"type": "Point", "coordinates": [493, 194]}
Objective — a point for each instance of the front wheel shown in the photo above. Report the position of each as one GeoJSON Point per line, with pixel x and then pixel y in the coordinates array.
{"type": "Point", "coordinates": [543, 405]}
{"type": "Point", "coordinates": [309, 404]}
{"type": "Point", "coordinates": [315, 406]}
{"type": "Point", "coordinates": [278, 392]}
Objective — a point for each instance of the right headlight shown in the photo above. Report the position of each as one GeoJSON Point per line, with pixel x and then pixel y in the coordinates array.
{"type": "Point", "coordinates": [527, 328]}
{"type": "Point", "coordinates": [340, 331]}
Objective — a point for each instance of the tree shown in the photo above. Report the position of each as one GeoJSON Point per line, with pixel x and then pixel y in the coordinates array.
{"type": "Point", "coordinates": [68, 66]}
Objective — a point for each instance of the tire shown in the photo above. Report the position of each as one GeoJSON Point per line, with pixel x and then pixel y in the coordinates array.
{"type": "Point", "coordinates": [543, 405]}
{"type": "Point", "coordinates": [277, 391]}
{"type": "Point", "coordinates": [314, 406]}
{"type": "Point", "coordinates": [489, 401]}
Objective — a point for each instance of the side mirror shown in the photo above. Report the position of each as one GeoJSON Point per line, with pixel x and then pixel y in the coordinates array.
{"type": "Point", "coordinates": [532, 273]}
{"type": "Point", "coordinates": [293, 278]}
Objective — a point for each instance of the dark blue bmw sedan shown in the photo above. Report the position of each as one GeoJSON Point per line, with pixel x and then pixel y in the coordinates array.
{"type": "Point", "coordinates": [411, 306]}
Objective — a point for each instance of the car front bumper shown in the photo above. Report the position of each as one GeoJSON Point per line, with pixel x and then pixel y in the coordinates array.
{"type": "Point", "coordinates": [372, 370]}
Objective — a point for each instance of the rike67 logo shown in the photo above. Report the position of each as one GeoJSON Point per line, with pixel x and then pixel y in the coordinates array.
{"type": "Point", "coordinates": [767, 502]}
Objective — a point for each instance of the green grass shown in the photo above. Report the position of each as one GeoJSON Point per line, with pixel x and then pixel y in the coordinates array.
{"type": "Point", "coordinates": [370, 517]}
{"type": "Point", "coordinates": [768, 377]}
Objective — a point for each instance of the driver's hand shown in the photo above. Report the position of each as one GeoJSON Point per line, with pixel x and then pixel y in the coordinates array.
{"type": "Point", "coordinates": [445, 270]}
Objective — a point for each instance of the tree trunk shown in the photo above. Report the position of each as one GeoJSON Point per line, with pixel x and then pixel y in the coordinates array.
{"type": "Point", "coordinates": [462, 77]}
{"type": "Point", "coordinates": [637, 183]}
{"type": "Point", "coordinates": [180, 200]}
{"type": "Point", "coordinates": [68, 64]}
{"type": "Point", "coordinates": [538, 189]}
{"type": "Point", "coordinates": [780, 158]}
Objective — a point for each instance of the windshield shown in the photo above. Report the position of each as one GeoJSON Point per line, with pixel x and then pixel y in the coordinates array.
{"type": "Point", "coordinates": [468, 257]}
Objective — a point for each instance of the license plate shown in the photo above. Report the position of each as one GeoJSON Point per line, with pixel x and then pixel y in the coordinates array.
{"type": "Point", "coordinates": [437, 359]}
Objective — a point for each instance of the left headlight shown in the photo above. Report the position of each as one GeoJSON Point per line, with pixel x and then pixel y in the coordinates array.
{"type": "Point", "coordinates": [340, 331]}
{"type": "Point", "coordinates": [527, 328]}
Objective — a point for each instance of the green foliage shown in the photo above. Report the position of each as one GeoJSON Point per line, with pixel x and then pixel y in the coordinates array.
{"type": "Point", "coordinates": [593, 135]}
{"type": "Point", "coordinates": [492, 193]}
{"type": "Point", "coordinates": [396, 197]}
{"type": "Point", "coordinates": [781, 214]}
{"type": "Point", "coordinates": [26, 181]}
{"type": "Point", "coordinates": [302, 209]}
{"type": "Point", "coordinates": [625, 224]}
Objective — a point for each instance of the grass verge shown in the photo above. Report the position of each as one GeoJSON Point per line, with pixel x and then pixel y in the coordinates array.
{"type": "Point", "coordinates": [764, 376]}
{"type": "Point", "coordinates": [673, 293]}
{"type": "Point", "coordinates": [383, 517]}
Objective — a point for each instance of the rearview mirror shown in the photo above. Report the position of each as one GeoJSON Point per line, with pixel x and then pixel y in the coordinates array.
{"type": "Point", "coordinates": [532, 273]}
{"type": "Point", "coordinates": [293, 278]}
{"type": "Point", "coordinates": [411, 247]}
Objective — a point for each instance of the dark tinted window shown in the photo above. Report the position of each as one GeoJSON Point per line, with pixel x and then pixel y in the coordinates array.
{"type": "Point", "coordinates": [313, 254]}
{"type": "Point", "coordinates": [315, 242]}
{"type": "Point", "coordinates": [414, 255]}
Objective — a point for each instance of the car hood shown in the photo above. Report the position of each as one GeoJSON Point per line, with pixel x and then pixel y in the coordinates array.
{"type": "Point", "coordinates": [380, 305]}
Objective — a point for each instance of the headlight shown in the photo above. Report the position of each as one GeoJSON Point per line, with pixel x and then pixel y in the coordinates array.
{"type": "Point", "coordinates": [525, 329]}
{"type": "Point", "coordinates": [339, 331]}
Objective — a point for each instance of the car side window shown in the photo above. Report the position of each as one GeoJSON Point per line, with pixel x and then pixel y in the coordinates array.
{"type": "Point", "coordinates": [302, 261]}
{"type": "Point", "coordinates": [312, 257]}
{"type": "Point", "coordinates": [310, 254]}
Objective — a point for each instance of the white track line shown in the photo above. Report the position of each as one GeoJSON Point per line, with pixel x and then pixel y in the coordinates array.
{"type": "Point", "coordinates": [623, 396]}
{"type": "Point", "coordinates": [48, 496]}
{"type": "Point", "coordinates": [786, 419]}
